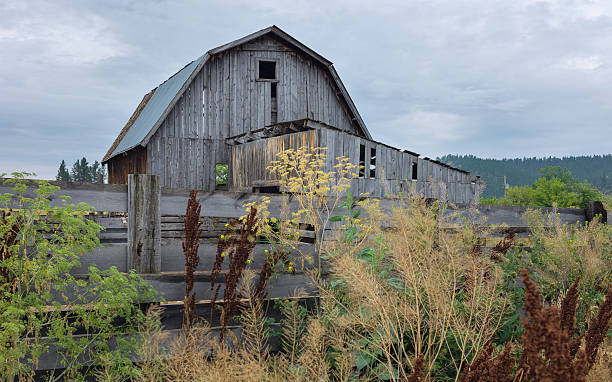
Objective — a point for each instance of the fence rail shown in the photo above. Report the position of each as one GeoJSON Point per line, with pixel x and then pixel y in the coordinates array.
{"type": "Point", "coordinates": [142, 212]}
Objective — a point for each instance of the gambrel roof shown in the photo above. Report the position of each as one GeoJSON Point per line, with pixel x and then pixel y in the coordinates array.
{"type": "Point", "coordinates": [154, 107]}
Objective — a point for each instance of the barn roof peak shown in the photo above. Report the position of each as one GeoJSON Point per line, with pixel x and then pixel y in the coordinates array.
{"type": "Point", "coordinates": [155, 105]}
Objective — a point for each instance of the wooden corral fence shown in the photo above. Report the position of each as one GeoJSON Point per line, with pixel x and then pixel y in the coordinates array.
{"type": "Point", "coordinates": [144, 230]}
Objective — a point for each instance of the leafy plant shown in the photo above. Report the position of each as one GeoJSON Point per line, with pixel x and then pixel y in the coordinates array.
{"type": "Point", "coordinates": [221, 174]}
{"type": "Point", "coordinates": [89, 322]}
{"type": "Point", "coordinates": [301, 172]}
{"type": "Point", "coordinates": [413, 301]}
{"type": "Point", "coordinates": [551, 348]}
{"type": "Point", "coordinates": [561, 253]}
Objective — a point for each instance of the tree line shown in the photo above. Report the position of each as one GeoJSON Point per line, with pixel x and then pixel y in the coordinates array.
{"type": "Point", "coordinates": [595, 169]}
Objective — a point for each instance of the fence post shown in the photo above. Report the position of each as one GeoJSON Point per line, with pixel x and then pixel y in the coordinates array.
{"type": "Point", "coordinates": [144, 223]}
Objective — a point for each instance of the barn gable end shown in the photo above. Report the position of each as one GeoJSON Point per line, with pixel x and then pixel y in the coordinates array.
{"type": "Point", "coordinates": [222, 95]}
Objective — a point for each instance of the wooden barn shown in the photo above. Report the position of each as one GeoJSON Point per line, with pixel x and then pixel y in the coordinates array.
{"type": "Point", "coordinates": [239, 104]}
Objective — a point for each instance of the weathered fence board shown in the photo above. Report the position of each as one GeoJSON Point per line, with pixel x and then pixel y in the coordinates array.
{"type": "Point", "coordinates": [172, 321]}
{"type": "Point", "coordinates": [105, 197]}
{"type": "Point", "coordinates": [110, 255]}
{"type": "Point", "coordinates": [513, 215]}
{"type": "Point", "coordinates": [173, 259]}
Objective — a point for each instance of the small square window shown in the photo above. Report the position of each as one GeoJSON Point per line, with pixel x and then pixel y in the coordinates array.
{"type": "Point", "coordinates": [267, 70]}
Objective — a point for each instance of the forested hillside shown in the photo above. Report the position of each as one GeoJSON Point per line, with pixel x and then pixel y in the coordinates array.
{"type": "Point", "coordinates": [596, 169]}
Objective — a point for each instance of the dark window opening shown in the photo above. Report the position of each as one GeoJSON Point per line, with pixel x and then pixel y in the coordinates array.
{"type": "Point", "coordinates": [362, 161]}
{"type": "Point", "coordinates": [274, 105]}
{"type": "Point", "coordinates": [372, 163]}
{"type": "Point", "coordinates": [267, 70]}
{"type": "Point", "coordinates": [415, 173]}
{"type": "Point", "coordinates": [267, 189]}
{"type": "Point", "coordinates": [221, 174]}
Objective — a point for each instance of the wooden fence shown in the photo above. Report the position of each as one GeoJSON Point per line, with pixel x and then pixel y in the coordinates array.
{"type": "Point", "coordinates": [143, 230]}
{"type": "Point", "coordinates": [143, 223]}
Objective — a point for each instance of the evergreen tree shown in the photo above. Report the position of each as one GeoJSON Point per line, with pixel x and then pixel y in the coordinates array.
{"type": "Point", "coordinates": [62, 174]}
{"type": "Point", "coordinates": [96, 172]}
{"type": "Point", "coordinates": [82, 171]}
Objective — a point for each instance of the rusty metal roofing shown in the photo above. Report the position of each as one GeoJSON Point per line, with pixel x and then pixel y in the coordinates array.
{"type": "Point", "coordinates": [154, 108]}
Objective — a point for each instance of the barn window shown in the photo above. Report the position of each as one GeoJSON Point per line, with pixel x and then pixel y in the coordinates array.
{"type": "Point", "coordinates": [267, 70]}
{"type": "Point", "coordinates": [372, 162]}
{"type": "Point", "coordinates": [362, 151]}
{"type": "Point", "coordinates": [415, 173]}
{"type": "Point", "coordinates": [221, 174]}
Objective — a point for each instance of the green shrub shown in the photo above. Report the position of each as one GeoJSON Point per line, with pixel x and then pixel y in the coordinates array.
{"type": "Point", "coordinates": [556, 186]}
{"type": "Point", "coordinates": [89, 322]}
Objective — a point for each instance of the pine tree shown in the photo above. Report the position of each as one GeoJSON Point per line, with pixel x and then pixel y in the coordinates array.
{"type": "Point", "coordinates": [82, 171]}
{"type": "Point", "coordinates": [97, 172]}
{"type": "Point", "coordinates": [62, 174]}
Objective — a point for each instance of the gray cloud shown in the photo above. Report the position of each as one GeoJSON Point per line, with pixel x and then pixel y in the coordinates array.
{"type": "Point", "coordinates": [491, 78]}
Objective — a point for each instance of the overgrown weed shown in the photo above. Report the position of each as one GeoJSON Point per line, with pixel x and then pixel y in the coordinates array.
{"type": "Point", "coordinates": [413, 294]}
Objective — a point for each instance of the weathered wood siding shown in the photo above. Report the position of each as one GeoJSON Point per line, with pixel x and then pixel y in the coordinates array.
{"type": "Point", "coordinates": [251, 159]}
{"type": "Point", "coordinates": [186, 162]}
{"type": "Point", "coordinates": [132, 162]}
{"type": "Point", "coordinates": [226, 99]}
{"type": "Point", "coordinates": [237, 102]}
{"type": "Point", "coordinates": [392, 171]}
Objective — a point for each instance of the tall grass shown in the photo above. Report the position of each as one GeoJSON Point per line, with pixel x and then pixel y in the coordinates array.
{"type": "Point", "coordinates": [412, 292]}
{"type": "Point", "coordinates": [405, 298]}
{"type": "Point", "coordinates": [414, 302]}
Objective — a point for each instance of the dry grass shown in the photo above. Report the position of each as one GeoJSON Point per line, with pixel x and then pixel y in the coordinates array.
{"type": "Point", "coordinates": [413, 303]}
{"type": "Point", "coordinates": [602, 369]}
{"type": "Point", "coordinates": [438, 293]}
{"type": "Point", "coordinates": [571, 251]}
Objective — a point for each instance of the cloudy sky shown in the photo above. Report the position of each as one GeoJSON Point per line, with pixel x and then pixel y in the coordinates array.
{"type": "Point", "coordinates": [492, 78]}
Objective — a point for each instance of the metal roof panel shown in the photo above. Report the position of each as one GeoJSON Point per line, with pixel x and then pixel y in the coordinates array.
{"type": "Point", "coordinates": [155, 108]}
